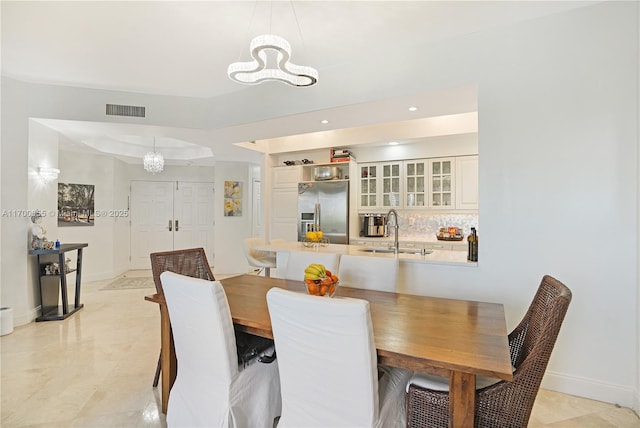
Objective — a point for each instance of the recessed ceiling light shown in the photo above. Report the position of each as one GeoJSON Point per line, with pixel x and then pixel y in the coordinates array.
{"type": "Point", "coordinates": [393, 143]}
{"type": "Point", "coordinates": [413, 108]}
{"type": "Point", "coordinates": [325, 121]}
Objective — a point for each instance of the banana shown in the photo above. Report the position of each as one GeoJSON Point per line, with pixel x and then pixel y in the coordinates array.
{"type": "Point", "coordinates": [314, 271]}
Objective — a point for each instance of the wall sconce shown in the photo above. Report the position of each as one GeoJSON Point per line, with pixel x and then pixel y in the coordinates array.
{"type": "Point", "coordinates": [48, 174]}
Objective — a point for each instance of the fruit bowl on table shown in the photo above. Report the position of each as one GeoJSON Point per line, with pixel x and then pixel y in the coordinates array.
{"type": "Point", "coordinates": [319, 281]}
{"type": "Point", "coordinates": [321, 287]}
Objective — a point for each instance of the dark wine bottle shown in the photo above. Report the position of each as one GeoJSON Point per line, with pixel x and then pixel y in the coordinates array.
{"type": "Point", "coordinates": [472, 254]}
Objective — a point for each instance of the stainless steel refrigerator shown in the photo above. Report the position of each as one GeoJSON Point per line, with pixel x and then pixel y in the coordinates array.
{"type": "Point", "coordinates": [324, 204]}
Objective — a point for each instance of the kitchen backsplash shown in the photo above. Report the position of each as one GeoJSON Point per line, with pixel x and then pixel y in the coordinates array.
{"type": "Point", "coordinates": [421, 227]}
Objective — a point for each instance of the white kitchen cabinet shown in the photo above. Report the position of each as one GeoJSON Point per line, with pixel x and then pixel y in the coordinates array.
{"type": "Point", "coordinates": [284, 210]}
{"type": "Point", "coordinates": [284, 202]}
{"type": "Point", "coordinates": [415, 183]}
{"type": "Point", "coordinates": [467, 183]}
{"type": "Point", "coordinates": [368, 185]}
{"type": "Point", "coordinates": [391, 184]}
{"type": "Point", "coordinates": [286, 176]}
{"type": "Point", "coordinates": [441, 183]}
{"type": "Point", "coordinates": [380, 185]}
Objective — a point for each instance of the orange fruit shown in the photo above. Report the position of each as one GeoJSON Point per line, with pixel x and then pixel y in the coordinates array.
{"type": "Point", "coordinates": [313, 289]}
{"type": "Point", "coordinates": [334, 278]}
{"type": "Point", "coordinates": [332, 288]}
{"type": "Point", "coordinates": [327, 272]}
{"type": "Point", "coordinates": [326, 281]}
{"type": "Point", "coordinates": [323, 289]}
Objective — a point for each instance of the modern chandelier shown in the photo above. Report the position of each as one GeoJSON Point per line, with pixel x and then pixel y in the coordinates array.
{"type": "Point", "coordinates": [256, 71]}
{"type": "Point", "coordinates": [153, 161]}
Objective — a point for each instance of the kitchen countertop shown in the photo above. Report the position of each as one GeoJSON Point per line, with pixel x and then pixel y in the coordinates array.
{"type": "Point", "coordinates": [458, 258]}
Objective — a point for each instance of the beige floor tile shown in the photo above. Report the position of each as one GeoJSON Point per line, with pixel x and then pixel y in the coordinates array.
{"type": "Point", "coordinates": [95, 369]}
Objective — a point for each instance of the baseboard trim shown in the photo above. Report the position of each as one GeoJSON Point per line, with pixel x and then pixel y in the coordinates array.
{"type": "Point", "coordinates": [26, 317]}
{"type": "Point", "coordinates": [622, 395]}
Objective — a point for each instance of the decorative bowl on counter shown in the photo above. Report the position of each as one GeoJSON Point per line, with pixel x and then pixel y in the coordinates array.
{"type": "Point", "coordinates": [450, 234]}
{"type": "Point", "coordinates": [314, 235]}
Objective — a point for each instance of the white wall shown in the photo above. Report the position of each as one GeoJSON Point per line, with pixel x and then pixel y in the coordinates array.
{"type": "Point", "coordinates": [558, 144]}
{"type": "Point", "coordinates": [43, 152]}
{"type": "Point", "coordinates": [230, 231]}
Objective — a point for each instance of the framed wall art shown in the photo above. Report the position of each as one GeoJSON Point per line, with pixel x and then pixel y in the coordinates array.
{"type": "Point", "coordinates": [232, 198]}
{"type": "Point", "coordinates": [76, 204]}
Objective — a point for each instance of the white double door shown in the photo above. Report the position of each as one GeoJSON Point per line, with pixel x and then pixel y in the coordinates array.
{"type": "Point", "coordinates": [170, 215]}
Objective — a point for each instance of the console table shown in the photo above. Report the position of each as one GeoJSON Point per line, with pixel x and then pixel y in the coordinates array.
{"type": "Point", "coordinates": [51, 282]}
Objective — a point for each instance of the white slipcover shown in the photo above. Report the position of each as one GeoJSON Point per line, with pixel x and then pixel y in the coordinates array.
{"type": "Point", "coordinates": [210, 389]}
{"type": "Point", "coordinates": [299, 260]}
{"type": "Point", "coordinates": [372, 273]}
{"type": "Point", "coordinates": [328, 364]}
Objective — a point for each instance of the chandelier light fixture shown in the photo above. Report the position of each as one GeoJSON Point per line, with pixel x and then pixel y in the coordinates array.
{"type": "Point", "coordinates": [256, 71]}
{"type": "Point", "coordinates": [278, 69]}
{"type": "Point", "coordinates": [153, 161]}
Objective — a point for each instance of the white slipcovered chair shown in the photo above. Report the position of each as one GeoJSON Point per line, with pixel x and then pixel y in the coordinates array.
{"type": "Point", "coordinates": [211, 389]}
{"type": "Point", "coordinates": [328, 364]}
{"type": "Point", "coordinates": [369, 272]}
{"type": "Point", "coordinates": [299, 260]}
{"type": "Point", "coordinates": [260, 259]}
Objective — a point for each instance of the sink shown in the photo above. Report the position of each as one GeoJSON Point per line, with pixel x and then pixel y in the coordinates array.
{"type": "Point", "coordinates": [377, 250]}
{"type": "Point", "coordinates": [390, 250]}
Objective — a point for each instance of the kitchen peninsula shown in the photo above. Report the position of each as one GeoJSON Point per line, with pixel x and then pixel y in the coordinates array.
{"type": "Point", "coordinates": [413, 263]}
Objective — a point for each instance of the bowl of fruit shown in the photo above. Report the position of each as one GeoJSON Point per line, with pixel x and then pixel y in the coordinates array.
{"type": "Point", "coordinates": [319, 281]}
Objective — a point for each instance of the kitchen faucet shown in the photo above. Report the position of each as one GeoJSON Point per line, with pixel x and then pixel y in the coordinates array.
{"type": "Point", "coordinates": [396, 245]}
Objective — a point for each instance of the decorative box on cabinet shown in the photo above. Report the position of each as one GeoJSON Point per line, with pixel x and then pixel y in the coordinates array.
{"type": "Point", "coordinates": [52, 285]}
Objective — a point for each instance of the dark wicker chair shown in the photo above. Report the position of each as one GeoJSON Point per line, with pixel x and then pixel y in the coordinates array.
{"type": "Point", "coordinates": [190, 262]}
{"type": "Point", "coordinates": [506, 404]}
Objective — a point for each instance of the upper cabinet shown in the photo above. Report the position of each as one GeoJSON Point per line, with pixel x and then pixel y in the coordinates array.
{"type": "Point", "coordinates": [391, 184]}
{"type": "Point", "coordinates": [467, 182]}
{"type": "Point", "coordinates": [286, 176]}
{"type": "Point", "coordinates": [441, 183]}
{"type": "Point", "coordinates": [368, 188]}
{"type": "Point", "coordinates": [380, 185]}
{"type": "Point", "coordinates": [425, 184]}
{"type": "Point", "coordinates": [416, 180]}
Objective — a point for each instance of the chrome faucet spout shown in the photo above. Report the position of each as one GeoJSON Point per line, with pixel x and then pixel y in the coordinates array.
{"type": "Point", "coordinates": [396, 227]}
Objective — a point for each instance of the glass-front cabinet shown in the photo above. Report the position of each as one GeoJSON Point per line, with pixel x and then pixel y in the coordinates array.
{"type": "Point", "coordinates": [391, 184]}
{"type": "Point", "coordinates": [441, 174]}
{"type": "Point", "coordinates": [415, 172]}
{"type": "Point", "coordinates": [380, 185]}
{"type": "Point", "coordinates": [368, 185]}
{"type": "Point", "coordinates": [449, 183]}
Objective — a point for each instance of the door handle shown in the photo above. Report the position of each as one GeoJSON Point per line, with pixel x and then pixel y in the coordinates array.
{"type": "Point", "coordinates": [177, 227]}
{"type": "Point", "coordinates": [170, 226]}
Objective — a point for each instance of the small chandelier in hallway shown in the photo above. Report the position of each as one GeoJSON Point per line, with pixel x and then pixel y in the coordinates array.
{"type": "Point", "coordinates": [153, 161]}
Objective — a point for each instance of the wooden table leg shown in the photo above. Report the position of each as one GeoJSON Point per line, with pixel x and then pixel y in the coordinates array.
{"type": "Point", "coordinates": [168, 356]}
{"type": "Point", "coordinates": [462, 399]}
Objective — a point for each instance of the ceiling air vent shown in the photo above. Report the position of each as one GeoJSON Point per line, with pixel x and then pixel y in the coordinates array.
{"type": "Point", "coordinates": [120, 110]}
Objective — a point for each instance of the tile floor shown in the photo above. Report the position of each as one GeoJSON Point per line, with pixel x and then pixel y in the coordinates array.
{"type": "Point", "coordinates": [95, 369]}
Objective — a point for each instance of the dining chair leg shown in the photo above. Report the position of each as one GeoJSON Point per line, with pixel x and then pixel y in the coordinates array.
{"type": "Point", "coordinates": [156, 378]}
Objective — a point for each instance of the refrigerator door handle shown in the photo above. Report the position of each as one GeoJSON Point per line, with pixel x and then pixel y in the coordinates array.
{"type": "Point", "coordinates": [316, 216]}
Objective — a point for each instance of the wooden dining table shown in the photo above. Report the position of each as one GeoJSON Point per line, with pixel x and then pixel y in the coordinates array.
{"type": "Point", "coordinates": [457, 339]}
